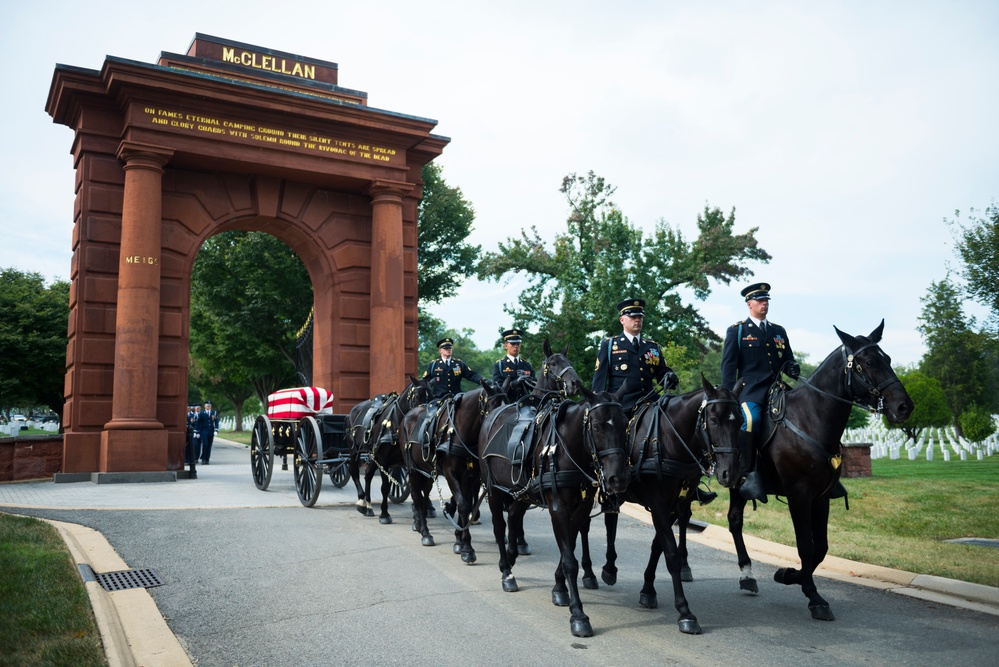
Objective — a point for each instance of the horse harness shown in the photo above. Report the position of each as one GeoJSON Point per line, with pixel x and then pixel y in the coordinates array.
{"type": "Point", "coordinates": [534, 436]}
{"type": "Point", "coordinates": [661, 465]}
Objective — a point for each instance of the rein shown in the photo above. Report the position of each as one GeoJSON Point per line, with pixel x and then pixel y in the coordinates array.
{"type": "Point", "coordinates": [852, 370]}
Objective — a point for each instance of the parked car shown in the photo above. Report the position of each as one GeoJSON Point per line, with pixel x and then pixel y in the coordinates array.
{"type": "Point", "coordinates": [15, 419]}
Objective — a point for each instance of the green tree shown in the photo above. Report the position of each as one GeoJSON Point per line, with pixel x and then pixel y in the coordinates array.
{"type": "Point", "coordinates": [34, 321]}
{"type": "Point", "coordinates": [930, 409]}
{"type": "Point", "coordinates": [977, 244]}
{"type": "Point", "coordinates": [250, 293]}
{"type": "Point", "coordinates": [977, 424]}
{"type": "Point", "coordinates": [601, 258]}
{"type": "Point", "coordinates": [444, 258]}
{"type": "Point", "coordinates": [965, 361]}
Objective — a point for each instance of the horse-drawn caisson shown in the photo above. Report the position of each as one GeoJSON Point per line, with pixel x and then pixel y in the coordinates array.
{"type": "Point", "coordinates": [300, 422]}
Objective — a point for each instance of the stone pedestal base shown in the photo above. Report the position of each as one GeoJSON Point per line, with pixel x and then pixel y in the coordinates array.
{"type": "Point", "coordinates": [134, 451]}
{"type": "Point", "coordinates": [857, 460]}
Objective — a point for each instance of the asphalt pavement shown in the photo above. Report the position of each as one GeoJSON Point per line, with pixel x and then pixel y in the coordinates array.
{"type": "Point", "coordinates": [135, 632]}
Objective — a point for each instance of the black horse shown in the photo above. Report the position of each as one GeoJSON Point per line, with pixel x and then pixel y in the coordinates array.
{"type": "Point", "coordinates": [555, 454]}
{"type": "Point", "coordinates": [672, 442]}
{"type": "Point", "coordinates": [454, 436]}
{"type": "Point", "coordinates": [373, 430]}
{"type": "Point", "coordinates": [801, 454]}
{"type": "Point", "coordinates": [442, 437]}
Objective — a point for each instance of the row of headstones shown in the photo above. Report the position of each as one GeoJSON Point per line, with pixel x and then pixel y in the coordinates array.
{"type": "Point", "coordinates": [891, 443]}
{"type": "Point", "coordinates": [14, 428]}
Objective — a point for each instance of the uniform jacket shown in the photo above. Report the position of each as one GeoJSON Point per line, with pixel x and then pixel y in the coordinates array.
{"type": "Point", "coordinates": [618, 360]}
{"type": "Point", "coordinates": [208, 420]}
{"type": "Point", "coordinates": [504, 368]}
{"type": "Point", "coordinates": [756, 358]}
{"type": "Point", "coordinates": [445, 378]}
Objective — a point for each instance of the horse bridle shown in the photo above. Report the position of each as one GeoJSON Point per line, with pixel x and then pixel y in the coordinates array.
{"type": "Point", "coordinates": [852, 370]}
{"type": "Point", "coordinates": [702, 428]}
{"type": "Point", "coordinates": [561, 383]}
{"type": "Point", "coordinates": [592, 445]}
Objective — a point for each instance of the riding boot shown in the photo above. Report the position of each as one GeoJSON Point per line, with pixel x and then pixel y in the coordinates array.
{"type": "Point", "coordinates": [705, 497]}
{"type": "Point", "coordinates": [838, 490]}
{"type": "Point", "coordinates": [752, 487]}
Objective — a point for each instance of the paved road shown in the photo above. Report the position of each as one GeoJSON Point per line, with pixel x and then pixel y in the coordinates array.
{"type": "Point", "coordinates": [284, 585]}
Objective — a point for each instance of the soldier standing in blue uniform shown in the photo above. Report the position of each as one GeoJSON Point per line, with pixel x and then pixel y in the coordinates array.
{"type": "Point", "coordinates": [632, 359]}
{"type": "Point", "coordinates": [208, 423]}
{"type": "Point", "coordinates": [756, 352]}
{"type": "Point", "coordinates": [511, 366]}
{"type": "Point", "coordinates": [446, 373]}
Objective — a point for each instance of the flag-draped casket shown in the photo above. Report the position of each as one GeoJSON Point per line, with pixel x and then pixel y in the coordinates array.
{"type": "Point", "coordinates": [299, 402]}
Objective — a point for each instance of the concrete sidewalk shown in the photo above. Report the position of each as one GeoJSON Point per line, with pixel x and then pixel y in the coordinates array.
{"type": "Point", "coordinates": [135, 633]}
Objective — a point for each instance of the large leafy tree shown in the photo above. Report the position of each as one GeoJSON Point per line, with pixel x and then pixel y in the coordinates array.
{"type": "Point", "coordinates": [963, 360]}
{"type": "Point", "coordinates": [33, 334]}
{"type": "Point", "coordinates": [977, 245]}
{"type": "Point", "coordinates": [601, 258]}
{"type": "Point", "coordinates": [250, 293]}
{"type": "Point", "coordinates": [929, 402]}
{"type": "Point", "coordinates": [444, 258]}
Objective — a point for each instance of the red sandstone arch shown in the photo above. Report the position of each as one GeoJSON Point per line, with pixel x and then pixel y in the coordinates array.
{"type": "Point", "coordinates": [170, 154]}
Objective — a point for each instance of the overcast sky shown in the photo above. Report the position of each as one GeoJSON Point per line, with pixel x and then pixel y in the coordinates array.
{"type": "Point", "coordinates": [846, 132]}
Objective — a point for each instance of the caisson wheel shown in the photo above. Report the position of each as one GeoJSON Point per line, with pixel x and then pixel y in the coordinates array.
{"type": "Point", "coordinates": [308, 470]}
{"type": "Point", "coordinates": [262, 452]}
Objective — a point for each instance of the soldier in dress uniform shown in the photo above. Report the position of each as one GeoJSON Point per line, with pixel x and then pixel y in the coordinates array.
{"type": "Point", "coordinates": [511, 365]}
{"type": "Point", "coordinates": [636, 360]}
{"type": "Point", "coordinates": [446, 373]}
{"type": "Point", "coordinates": [630, 358]}
{"type": "Point", "coordinates": [756, 352]}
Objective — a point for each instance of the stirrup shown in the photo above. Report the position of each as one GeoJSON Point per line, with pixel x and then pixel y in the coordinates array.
{"type": "Point", "coordinates": [752, 488]}
{"type": "Point", "coordinates": [705, 497]}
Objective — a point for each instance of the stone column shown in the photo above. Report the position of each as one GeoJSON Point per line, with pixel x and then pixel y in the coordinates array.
{"type": "Point", "coordinates": [134, 440]}
{"type": "Point", "coordinates": [387, 342]}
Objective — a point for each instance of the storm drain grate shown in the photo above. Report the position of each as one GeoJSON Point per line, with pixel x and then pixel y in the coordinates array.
{"type": "Point", "coordinates": [126, 579]}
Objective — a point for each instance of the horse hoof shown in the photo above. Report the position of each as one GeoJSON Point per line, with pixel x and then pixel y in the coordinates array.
{"type": "Point", "coordinates": [609, 576]}
{"type": "Point", "coordinates": [648, 600]}
{"type": "Point", "coordinates": [686, 574]}
{"type": "Point", "coordinates": [821, 612]}
{"type": "Point", "coordinates": [689, 626]}
{"type": "Point", "coordinates": [524, 549]}
{"type": "Point", "coordinates": [456, 548]}
{"type": "Point", "coordinates": [590, 583]}
{"type": "Point", "coordinates": [428, 541]}
{"type": "Point", "coordinates": [581, 628]}
{"type": "Point", "coordinates": [749, 585]}
{"type": "Point", "coordinates": [787, 576]}
{"type": "Point", "coordinates": [431, 513]}
{"type": "Point", "coordinates": [510, 584]}
{"type": "Point", "coordinates": [468, 557]}
{"type": "Point", "coordinates": [560, 598]}
{"type": "Point", "coordinates": [368, 511]}
{"type": "Point", "coordinates": [385, 520]}
{"type": "Point", "coordinates": [362, 509]}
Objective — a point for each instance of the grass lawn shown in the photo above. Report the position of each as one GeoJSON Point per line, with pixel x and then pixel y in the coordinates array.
{"type": "Point", "coordinates": [242, 437]}
{"type": "Point", "coordinates": [901, 516]}
{"type": "Point", "coordinates": [45, 614]}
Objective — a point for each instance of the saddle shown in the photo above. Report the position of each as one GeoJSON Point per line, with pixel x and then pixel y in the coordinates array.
{"type": "Point", "coordinates": [775, 413]}
{"type": "Point", "coordinates": [515, 440]}
{"type": "Point", "coordinates": [372, 418]}
{"type": "Point", "coordinates": [656, 462]}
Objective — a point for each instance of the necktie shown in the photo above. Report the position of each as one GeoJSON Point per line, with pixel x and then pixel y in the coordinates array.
{"type": "Point", "coordinates": [763, 327]}
{"type": "Point", "coordinates": [637, 343]}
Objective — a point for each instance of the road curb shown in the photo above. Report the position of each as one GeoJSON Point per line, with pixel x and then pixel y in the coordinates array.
{"type": "Point", "coordinates": [132, 628]}
{"type": "Point", "coordinates": [976, 597]}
